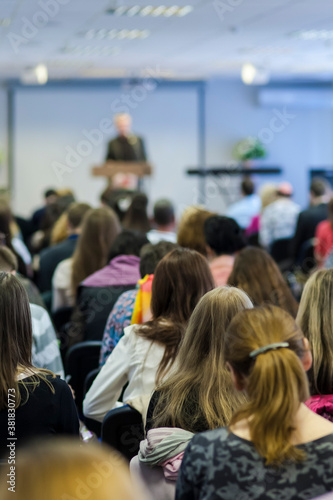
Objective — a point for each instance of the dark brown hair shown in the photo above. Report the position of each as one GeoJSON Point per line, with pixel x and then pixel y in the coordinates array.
{"type": "Point", "coordinates": [136, 217]}
{"type": "Point", "coordinates": [100, 228]}
{"type": "Point", "coordinates": [15, 338]}
{"type": "Point", "coordinates": [258, 275]}
{"type": "Point", "coordinates": [181, 278]}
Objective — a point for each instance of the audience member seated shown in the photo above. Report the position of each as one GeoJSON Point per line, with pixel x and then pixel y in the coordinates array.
{"type": "Point", "coordinates": [52, 256]}
{"type": "Point", "coordinates": [9, 264]}
{"type": "Point", "coordinates": [145, 354]}
{"type": "Point", "coordinates": [99, 292]}
{"type": "Point", "coordinates": [257, 274]}
{"type": "Point", "coordinates": [267, 194]}
{"type": "Point", "coordinates": [117, 199]}
{"type": "Point", "coordinates": [50, 197]}
{"type": "Point", "coordinates": [224, 239]}
{"type": "Point", "coordinates": [279, 219]}
{"type": "Point", "coordinates": [309, 219]}
{"type": "Point", "coordinates": [316, 322]}
{"type": "Point", "coordinates": [63, 469]}
{"type": "Point", "coordinates": [45, 349]}
{"type": "Point", "coordinates": [100, 228]}
{"type": "Point", "coordinates": [247, 207]}
{"type": "Point", "coordinates": [43, 403]}
{"type": "Point", "coordinates": [199, 394]}
{"type": "Point", "coordinates": [42, 238]}
{"type": "Point", "coordinates": [163, 223]}
{"type": "Point", "coordinates": [190, 232]}
{"type": "Point", "coordinates": [121, 315]}
{"type": "Point", "coordinates": [324, 237]}
{"type": "Point", "coordinates": [136, 218]}
{"type": "Point", "coordinates": [275, 447]}
{"type": "Point", "coordinates": [13, 243]}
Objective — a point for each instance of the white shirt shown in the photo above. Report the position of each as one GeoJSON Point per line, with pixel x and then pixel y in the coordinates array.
{"type": "Point", "coordinates": [155, 236]}
{"type": "Point", "coordinates": [245, 209]}
{"type": "Point", "coordinates": [62, 295]}
{"type": "Point", "coordinates": [134, 360]}
{"type": "Point", "coordinates": [278, 221]}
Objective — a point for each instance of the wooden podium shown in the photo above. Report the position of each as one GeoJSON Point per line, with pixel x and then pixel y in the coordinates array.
{"type": "Point", "coordinates": [121, 174]}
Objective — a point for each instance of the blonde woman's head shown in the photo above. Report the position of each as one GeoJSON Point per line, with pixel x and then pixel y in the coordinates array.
{"type": "Point", "coordinates": [63, 469]}
{"type": "Point", "coordinates": [315, 318]}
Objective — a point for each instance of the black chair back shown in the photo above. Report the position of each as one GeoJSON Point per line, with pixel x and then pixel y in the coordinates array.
{"type": "Point", "coordinates": [81, 359]}
{"type": "Point", "coordinates": [122, 429]}
{"type": "Point", "coordinates": [93, 425]}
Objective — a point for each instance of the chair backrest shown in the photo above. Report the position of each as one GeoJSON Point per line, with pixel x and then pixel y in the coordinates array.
{"type": "Point", "coordinates": [281, 249]}
{"type": "Point", "coordinates": [92, 425]}
{"type": "Point", "coordinates": [61, 316]}
{"type": "Point", "coordinates": [95, 305]}
{"type": "Point", "coordinates": [122, 429]}
{"type": "Point", "coordinates": [81, 359]}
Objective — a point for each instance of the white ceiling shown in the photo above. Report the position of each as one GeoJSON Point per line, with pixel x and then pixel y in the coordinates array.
{"type": "Point", "coordinates": [203, 44]}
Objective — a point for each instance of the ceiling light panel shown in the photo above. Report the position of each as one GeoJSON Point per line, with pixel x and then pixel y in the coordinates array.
{"type": "Point", "coordinates": [313, 34]}
{"type": "Point", "coordinates": [150, 10]}
{"type": "Point", "coordinates": [103, 34]}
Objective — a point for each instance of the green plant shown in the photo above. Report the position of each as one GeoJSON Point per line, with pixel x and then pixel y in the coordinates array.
{"type": "Point", "coordinates": [249, 149]}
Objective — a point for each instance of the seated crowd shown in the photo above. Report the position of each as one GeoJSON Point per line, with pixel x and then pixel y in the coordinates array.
{"type": "Point", "coordinates": [214, 334]}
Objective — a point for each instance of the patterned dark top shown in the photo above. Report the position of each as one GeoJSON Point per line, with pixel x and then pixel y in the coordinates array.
{"type": "Point", "coordinates": [218, 465]}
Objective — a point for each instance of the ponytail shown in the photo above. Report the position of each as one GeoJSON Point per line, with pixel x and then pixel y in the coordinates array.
{"type": "Point", "coordinates": [276, 382]}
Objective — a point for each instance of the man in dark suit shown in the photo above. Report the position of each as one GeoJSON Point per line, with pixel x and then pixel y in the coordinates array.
{"type": "Point", "coordinates": [126, 146]}
{"type": "Point", "coordinates": [310, 218]}
{"type": "Point", "coordinates": [52, 256]}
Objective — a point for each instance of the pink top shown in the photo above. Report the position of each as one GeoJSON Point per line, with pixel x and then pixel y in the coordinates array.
{"type": "Point", "coordinates": [322, 405]}
{"type": "Point", "coordinates": [122, 270]}
{"type": "Point", "coordinates": [221, 268]}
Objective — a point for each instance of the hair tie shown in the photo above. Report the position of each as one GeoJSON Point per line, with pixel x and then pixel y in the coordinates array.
{"type": "Point", "coordinates": [269, 347]}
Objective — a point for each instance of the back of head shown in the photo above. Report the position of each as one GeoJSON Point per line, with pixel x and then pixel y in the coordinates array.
{"type": "Point", "coordinates": [128, 242]}
{"type": "Point", "coordinates": [318, 187]}
{"type": "Point", "coordinates": [223, 235]}
{"type": "Point", "coordinates": [191, 229]}
{"type": "Point", "coordinates": [151, 255]}
{"type": "Point", "coordinates": [181, 278]}
{"type": "Point", "coordinates": [268, 194]}
{"type": "Point", "coordinates": [5, 221]}
{"type": "Point", "coordinates": [100, 228]}
{"type": "Point", "coordinates": [258, 275]}
{"type": "Point", "coordinates": [247, 186]}
{"type": "Point", "coordinates": [201, 375]}
{"type": "Point", "coordinates": [285, 190]}
{"type": "Point", "coordinates": [64, 469]}
{"type": "Point", "coordinates": [273, 376]}
{"type": "Point", "coordinates": [315, 319]}
{"type": "Point", "coordinates": [15, 333]}
{"type": "Point", "coordinates": [8, 260]}
{"type": "Point", "coordinates": [136, 217]}
{"type": "Point", "coordinates": [164, 213]}
{"type": "Point", "coordinates": [76, 213]}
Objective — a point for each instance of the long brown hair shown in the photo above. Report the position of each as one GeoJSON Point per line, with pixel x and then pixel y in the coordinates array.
{"type": "Point", "coordinates": [181, 278]}
{"type": "Point", "coordinates": [15, 339]}
{"type": "Point", "coordinates": [100, 228]}
{"type": "Point", "coordinates": [315, 319]}
{"type": "Point", "coordinates": [275, 381]}
{"type": "Point", "coordinates": [258, 275]}
{"type": "Point", "coordinates": [200, 381]}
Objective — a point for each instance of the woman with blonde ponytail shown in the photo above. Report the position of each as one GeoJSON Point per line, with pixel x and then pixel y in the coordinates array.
{"type": "Point", "coordinates": [275, 447]}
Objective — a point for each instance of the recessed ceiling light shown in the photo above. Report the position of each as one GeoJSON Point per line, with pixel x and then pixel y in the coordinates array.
{"type": "Point", "coordinates": [253, 75]}
{"type": "Point", "coordinates": [90, 50]}
{"type": "Point", "coordinates": [313, 34]}
{"type": "Point", "coordinates": [150, 10]}
{"type": "Point", "coordinates": [101, 34]}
